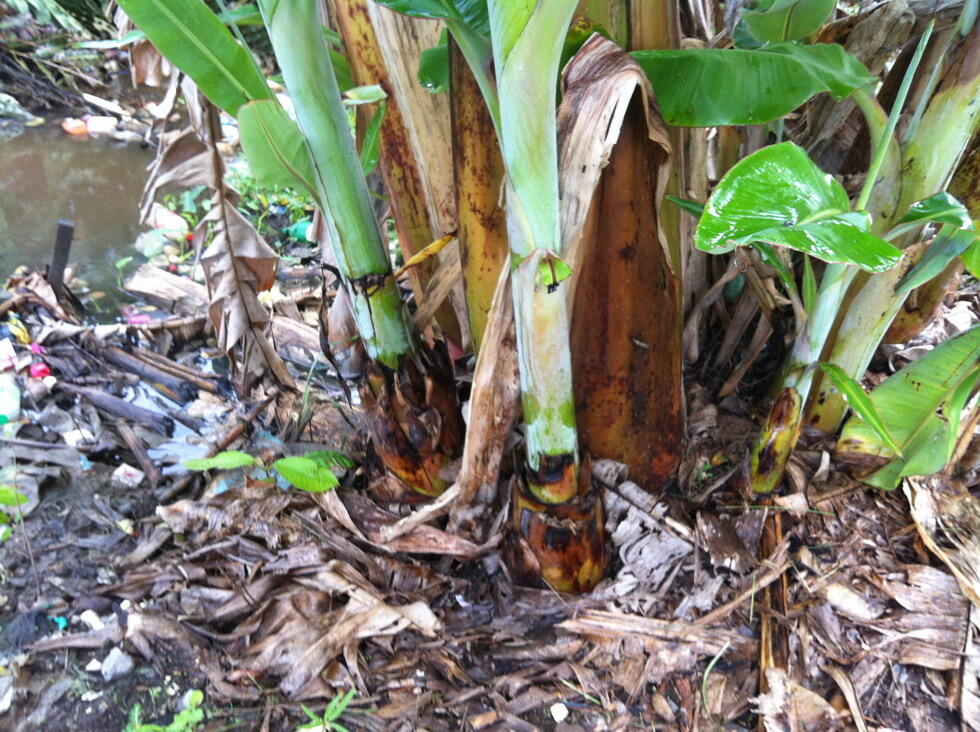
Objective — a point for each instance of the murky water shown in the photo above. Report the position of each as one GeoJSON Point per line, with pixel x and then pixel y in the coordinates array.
{"type": "Point", "coordinates": [46, 175]}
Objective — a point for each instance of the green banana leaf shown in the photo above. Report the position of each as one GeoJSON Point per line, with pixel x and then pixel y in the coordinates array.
{"type": "Point", "coordinates": [786, 20]}
{"type": "Point", "coordinates": [472, 12]}
{"type": "Point", "coordinates": [941, 208]}
{"type": "Point", "coordinates": [858, 400]}
{"type": "Point", "coordinates": [948, 244]}
{"type": "Point", "coordinates": [920, 407]}
{"type": "Point", "coordinates": [712, 87]}
{"type": "Point", "coordinates": [778, 195]}
{"type": "Point", "coordinates": [971, 259]}
{"type": "Point", "coordinates": [275, 148]}
{"type": "Point", "coordinates": [196, 41]}
{"type": "Point", "coordinates": [433, 73]}
{"type": "Point", "coordinates": [371, 147]}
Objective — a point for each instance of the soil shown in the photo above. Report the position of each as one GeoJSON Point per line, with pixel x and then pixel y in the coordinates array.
{"type": "Point", "coordinates": [54, 564]}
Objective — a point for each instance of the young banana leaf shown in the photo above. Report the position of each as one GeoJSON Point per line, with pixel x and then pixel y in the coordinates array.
{"type": "Point", "coordinates": [920, 407]}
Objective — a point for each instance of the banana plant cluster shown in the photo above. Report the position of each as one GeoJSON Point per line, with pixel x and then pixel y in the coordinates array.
{"type": "Point", "coordinates": [778, 197]}
{"type": "Point", "coordinates": [837, 261]}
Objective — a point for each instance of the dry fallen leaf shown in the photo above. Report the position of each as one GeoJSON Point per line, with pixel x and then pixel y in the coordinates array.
{"type": "Point", "coordinates": [787, 705]}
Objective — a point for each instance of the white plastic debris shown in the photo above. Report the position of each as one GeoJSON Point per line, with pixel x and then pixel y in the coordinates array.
{"type": "Point", "coordinates": [559, 712]}
{"type": "Point", "coordinates": [6, 693]}
{"type": "Point", "coordinates": [100, 125]}
{"type": "Point", "coordinates": [73, 437]}
{"type": "Point", "coordinates": [126, 476]}
{"type": "Point", "coordinates": [92, 620]}
{"type": "Point", "coordinates": [94, 666]}
{"type": "Point", "coordinates": [174, 225]}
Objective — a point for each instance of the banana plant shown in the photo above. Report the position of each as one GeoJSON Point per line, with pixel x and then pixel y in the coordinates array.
{"type": "Point", "coordinates": [415, 162]}
{"type": "Point", "coordinates": [524, 49]}
{"type": "Point", "coordinates": [770, 82]}
{"type": "Point", "coordinates": [779, 198]}
{"type": "Point", "coordinates": [924, 163]}
{"type": "Point", "coordinates": [416, 421]}
{"type": "Point", "coordinates": [863, 306]}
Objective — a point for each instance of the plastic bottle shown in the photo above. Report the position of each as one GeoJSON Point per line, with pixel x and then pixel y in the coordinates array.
{"type": "Point", "coordinates": [9, 391]}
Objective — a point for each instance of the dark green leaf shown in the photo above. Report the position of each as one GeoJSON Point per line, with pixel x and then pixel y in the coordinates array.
{"type": "Point", "coordinates": [809, 286]}
{"type": "Point", "coordinates": [341, 69]}
{"type": "Point", "coordinates": [228, 460]}
{"type": "Point", "coordinates": [947, 246]}
{"type": "Point", "coordinates": [834, 239]}
{"type": "Point", "coordinates": [274, 146]}
{"type": "Point", "coordinates": [419, 8]}
{"type": "Point", "coordinates": [475, 14]}
{"type": "Point", "coordinates": [769, 256]}
{"type": "Point", "coordinates": [434, 67]}
{"type": "Point", "coordinates": [242, 15]}
{"type": "Point", "coordinates": [306, 474]}
{"type": "Point", "coordinates": [742, 39]}
{"type": "Point", "coordinates": [971, 259]}
{"type": "Point", "coordinates": [858, 399]}
{"type": "Point", "coordinates": [733, 289]}
{"type": "Point", "coordinates": [776, 186]}
{"type": "Point", "coordinates": [194, 40]}
{"type": "Point", "coordinates": [712, 87]}
{"type": "Point", "coordinates": [692, 207]}
{"type": "Point", "coordinates": [828, 65]}
{"type": "Point", "coordinates": [941, 208]}
{"type": "Point", "coordinates": [787, 20]}
{"type": "Point", "coordinates": [954, 406]}
{"type": "Point", "coordinates": [371, 148]}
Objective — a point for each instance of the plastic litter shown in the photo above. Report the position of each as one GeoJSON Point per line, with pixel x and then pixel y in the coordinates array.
{"type": "Point", "coordinates": [126, 476]}
{"type": "Point", "coordinates": [98, 125]}
{"type": "Point", "coordinates": [72, 438]}
{"type": "Point", "coordinates": [300, 230]}
{"type": "Point", "coordinates": [91, 619]}
{"type": "Point", "coordinates": [74, 126]}
{"type": "Point", "coordinates": [39, 370]}
{"type": "Point", "coordinates": [9, 391]}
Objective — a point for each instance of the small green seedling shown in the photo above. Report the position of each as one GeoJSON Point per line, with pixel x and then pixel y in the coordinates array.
{"type": "Point", "coordinates": [312, 472]}
{"type": "Point", "coordinates": [9, 497]}
{"type": "Point", "coordinates": [121, 265]}
{"type": "Point", "coordinates": [189, 720]}
{"type": "Point", "coordinates": [328, 721]}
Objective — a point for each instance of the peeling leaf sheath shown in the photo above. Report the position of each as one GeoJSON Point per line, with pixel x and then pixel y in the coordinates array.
{"type": "Point", "coordinates": [237, 315]}
{"type": "Point", "coordinates": [527, 40]}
